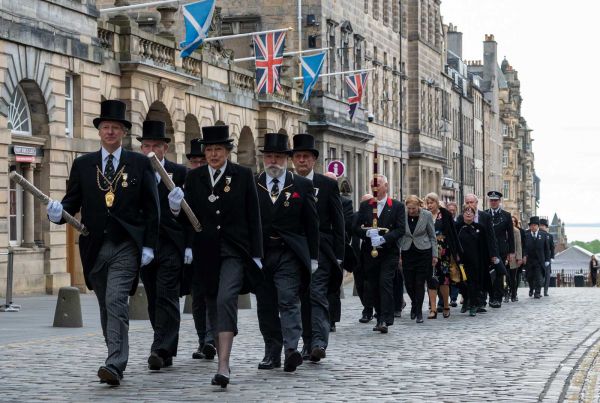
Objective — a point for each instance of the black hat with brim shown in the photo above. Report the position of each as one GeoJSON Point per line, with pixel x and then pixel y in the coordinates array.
{"type": "Point", "coordinates": [216, 135]}
{"type": "Point", "coordinates": [305, 142]}
{"type": "Point", "coordinates": [114, 111]}
{"type": "Point", "coordinates": [544, 221]}
{"type": "Point", "coordinates": [195, 149]}
{"type": "Point", "coordinates": [154, 130]}
{"type": "Point", "coordinates": [534, 220]}
{"type": "Point", "coordinates": [276, 143]}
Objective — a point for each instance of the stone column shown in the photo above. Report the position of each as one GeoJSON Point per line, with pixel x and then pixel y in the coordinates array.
{"type": "Point", "coordinates": [28, 209]}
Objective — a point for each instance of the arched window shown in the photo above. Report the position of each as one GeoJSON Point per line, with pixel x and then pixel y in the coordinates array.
{"type": "Point", "coordinates": [19, 117]}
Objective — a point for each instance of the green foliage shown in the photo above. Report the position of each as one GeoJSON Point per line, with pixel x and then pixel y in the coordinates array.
{"type": "Point", "coordinates": [593, 246]}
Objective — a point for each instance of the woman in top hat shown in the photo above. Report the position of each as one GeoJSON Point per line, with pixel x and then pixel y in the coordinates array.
{"type": "Point", "coordinates": [196, 155]}
{"type": "Point", "coordinates": [228, 250]}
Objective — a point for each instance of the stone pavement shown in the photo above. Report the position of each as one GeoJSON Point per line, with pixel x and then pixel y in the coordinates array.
{"type": "Point", "coordinates": [532, 350]}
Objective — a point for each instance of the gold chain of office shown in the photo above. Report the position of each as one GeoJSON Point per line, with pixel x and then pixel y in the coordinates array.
{"type": "Point", "coordinates": [109, 197]}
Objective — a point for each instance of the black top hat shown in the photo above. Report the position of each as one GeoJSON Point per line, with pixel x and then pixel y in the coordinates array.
{"type": "Point", "coordinates": [114, 111]}
{"type": "Point", "coordinates": [544, 221]}
{"type": "Point", "coordinates": [195, 149]}
{"type": "Point", "coordinates": [216, 135]}
{"type": "Point", "coordinates": [494, 195]}
{"type": "Point", "coordinates": [534, 220]}
{"type": "Point", "coordinates": [154, 130]}
{"type": "Point", "coordinates": [276, 143]}
{"type": "Point", "coordinates": [305, 142]}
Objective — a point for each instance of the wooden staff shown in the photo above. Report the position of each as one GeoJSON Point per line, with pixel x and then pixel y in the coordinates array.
{"type": "Point", "coordinates": [29, 187]}
{"type": "Point", "coordinates": [164, 176]}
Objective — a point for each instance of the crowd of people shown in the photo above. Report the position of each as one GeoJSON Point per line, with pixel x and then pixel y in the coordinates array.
{"type": "Point", "coordinates": [287, 235]}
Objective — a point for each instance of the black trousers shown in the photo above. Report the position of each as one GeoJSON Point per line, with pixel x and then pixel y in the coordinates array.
{"type": "Point", "coordinates": [535, 277]}
{"type": "Point", "coordinates": [398, 290]}
{"type": "Point", "coordinates": [380, 273]}
{"type": "Point", "coordinates": [497, 291]}
{"type": "Point", "coordinates": [594, 274]}
{"type": "Point", "coordinates": [199, 311]}
{"type": "Point", "coordinates": [278, 301]}
{"type": "Point", "coordinates": [360, 280]}
{"type": "Point", "coordinates": [513, 282]}
{"type": "Point", "coordinates": [161, 281]}
{"type": "Point", "coordinates": [417, 270]}
{"type": "Point", "coordinates": [315, 306]}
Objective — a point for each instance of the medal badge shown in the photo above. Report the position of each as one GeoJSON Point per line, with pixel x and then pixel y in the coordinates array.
{"type": "Point", "coordinates": [109, 198]}
{"type": "Point", "coordinates": [286, 203]}
{"type": "Point", "coordinates": [227, 183]}
{"type": "Point", "coordinates": [212, 198]}
{"type": "Point", "coordinates": [124, 177]}
{"type": "Point", "coordinates": [316, 194]}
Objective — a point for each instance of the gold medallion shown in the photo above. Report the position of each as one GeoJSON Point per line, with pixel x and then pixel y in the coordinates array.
{"type": "Point", "coordinates": [109, 198]}
{"type": "Point", "coordinates": [226, 189]}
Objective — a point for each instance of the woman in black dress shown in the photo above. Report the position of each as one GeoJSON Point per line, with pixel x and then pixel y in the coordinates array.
{"type": "Point", "coordinates": [594, 270]}
{"type": "Point", "coordinates": [474, 255]}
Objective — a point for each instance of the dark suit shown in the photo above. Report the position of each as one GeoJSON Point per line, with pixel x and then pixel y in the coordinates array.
{"type": "Point", "coordinates": [231, 236]}
{"type": "Point", "coordinates": [548, 269]}
{"type": "Point", "coordinates": [328, 277]}
{"type": "Point", "coordinates": [291, 237]}
{"type": "Point", "coordinates": [162, 276]}
{"type": "Point", "coordinates": [380, 271]}
{"type": "Point", "coordinates": [505, 240]}
{"type": "Point", "coordinates": [110, 254]}
{"type": "Point", "coordinates": [537, 253]}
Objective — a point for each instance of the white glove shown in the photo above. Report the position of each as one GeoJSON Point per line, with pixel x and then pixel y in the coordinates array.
{"type": "Point", "coordinates": [372, 232]}
{"type": "Point", "coordinates": [188, 257]}
{"type": "Point", "coordinates": [496, 260]}
{"type": "Point", "coordinates": [377, 241]}
{"type": "Point", "coordinates": [547, 264]}
{"type": "Point", "coordinates": [54, 209]}
{"type": "Point", "coordinates": [147, 255]}
{"type": "Point", "coordinates": [175, 198]}
{"type": "Point", "coordinates": [339, 261]}
{"type": "Point", "coordinates": [257, 262]}
{"type": "Point", "coordinates": [314, 265]}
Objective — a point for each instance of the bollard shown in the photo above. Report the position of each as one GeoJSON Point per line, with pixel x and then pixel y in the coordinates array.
{"type": "Point", "coordinates": [187, 305]}
{"type": "Point", "coordinates": [244, 301]}
{"type": "Point", "coordinates": [138, 304]}
{"type": "Point", "coordinates": [9, 306]}
{"type": "Point", "coordinates": [68, 308]}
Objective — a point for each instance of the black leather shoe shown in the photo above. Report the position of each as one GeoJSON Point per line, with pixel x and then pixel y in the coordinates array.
{"type": "Point", "coordinates": [209, 351]}
{"type": "Point", "coordinates": [495, 304]}
{"type": "Point", "coordinates": [537, 296]}
{"type": "Point", "coordinates": [413, 313]}
{"type": "Point", "coordinates": [506, 299]}
{"type": "Point", "coordinates": [317, 354]}
{"type": "Point", "coordinates": [481, 310]}
{"type": "Point", "coordinates": [419, 317]}
{"type": "Point", "coordinates": [198, 354]}
{"type": "Point", "coordinates": [168, 362]}
{"type": "Point", "coordinates": [269, 363]}
{"type": "Point", "coordinates": [453, 303]}
{"type": "Point", "coordinates": [464, 308]}
{"type": "Point", "coordinates": [221, 380]}
{"type": "Point", "coordinates": [383, 328]}
{"type": "Point", "coordinates": [109, 376]}
{"type": "Point", "coordinates": [516, 299]}
{"type": "Point", "coordinates": [531, 293]}
{"type": "Point", "coordinates": [292, 360]}
{"type": "Point", "coordinates": [365, 319]}
{"type": "Point", "coordinates": [306, 351]}
{"type": "Point", "coordinates": [155, 362]}
{"type": "Point", "coordinates": [545, 294]}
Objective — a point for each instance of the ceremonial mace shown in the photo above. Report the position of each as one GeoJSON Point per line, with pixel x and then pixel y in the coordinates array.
{"type": "Point", "coordinates": [374, 252]}
{"type": "Point", "coordinates": [164, 176]}
{"type": "Point", "coordinates": [29, 187]}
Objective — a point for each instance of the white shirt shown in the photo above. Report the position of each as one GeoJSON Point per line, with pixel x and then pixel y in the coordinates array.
{"type": "Point", "coordinates": [116, 157]}
{"type": "Point", "coordinates": [310, 175]}
{"type": "Point", "coordinates": [381, 205]}
{"type": "Point", "coordinates": [212, 171]}
{"type": "Point", "coordinates": [270, 183]}
{"type": "Point", "coordinates": [162, 162]}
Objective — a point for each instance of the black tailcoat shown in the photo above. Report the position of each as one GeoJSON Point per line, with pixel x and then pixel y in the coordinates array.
{"type": "Point", "coordinates": [392, 218]}
{"type": "Point", "coordinates": [536, 250]}
{"type": "Point", "coordinates": [331, 225]}
{"type": "Point", "coordinates": [135, 207]}
{"type": "Point", "coordinates": [503, 231]}
{"type": "Point", "coordinates": [233, 218]}
{"type": "Point", "coordinates": [293, 217]}
{"type": "Point", "coordinates": [350, 253]}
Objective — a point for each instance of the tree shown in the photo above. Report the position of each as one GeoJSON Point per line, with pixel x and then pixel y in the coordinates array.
{"type": "Point", "coordinates": [593, 246]}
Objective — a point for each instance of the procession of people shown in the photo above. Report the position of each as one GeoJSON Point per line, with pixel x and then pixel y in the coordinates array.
{"type": "Point", "coordinates": [287, 235]}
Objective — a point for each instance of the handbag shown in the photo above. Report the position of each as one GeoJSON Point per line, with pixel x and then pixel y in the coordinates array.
{"type": "Point", "coordinates": [456, 272]}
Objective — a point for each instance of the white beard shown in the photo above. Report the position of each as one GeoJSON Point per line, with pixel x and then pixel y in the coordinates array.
{"type": "Point", "coordinates": [275, 171]}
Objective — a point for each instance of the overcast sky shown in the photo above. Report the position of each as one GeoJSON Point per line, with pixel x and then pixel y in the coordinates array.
{"type": "Point", "coordinates": [555, 49]}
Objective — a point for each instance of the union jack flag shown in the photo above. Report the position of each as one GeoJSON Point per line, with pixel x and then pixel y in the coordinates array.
{"type": "Point", "coordinates": [268, 49]}
{"type": "Point", "coordinates": [356, 87]}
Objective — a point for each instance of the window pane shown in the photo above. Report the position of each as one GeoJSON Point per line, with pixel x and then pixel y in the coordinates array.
{"type": "Point", "coordinates": [18, 113]}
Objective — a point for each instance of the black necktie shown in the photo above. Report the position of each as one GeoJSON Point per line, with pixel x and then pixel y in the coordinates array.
{"type": "Point", "coordinates": [109, 169]}
{"type": "Point", "coordinates": [216, 174]}
{"type": "Point", "coordinates": [275, 190]}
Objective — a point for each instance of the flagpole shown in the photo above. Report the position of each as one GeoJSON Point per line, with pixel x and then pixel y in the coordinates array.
{"type": "Point", "coordinates": [220, 38]}
{"type": "Point", "coordinates": [135, 6]}
{"type": "Point", "coordinates": [337, 73]}
{"type": "Point", "coordinates": [245, 59]}
{"type": "Point", "coordinates": [300, 34]}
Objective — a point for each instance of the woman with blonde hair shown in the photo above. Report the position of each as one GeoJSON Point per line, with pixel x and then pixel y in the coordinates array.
{"type": "Point", "coordinates": [419, 253]}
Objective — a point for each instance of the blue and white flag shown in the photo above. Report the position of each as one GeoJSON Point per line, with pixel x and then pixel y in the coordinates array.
{"type": "Point", "coordinates": [198, 17]}
{"type": "Point", "coordinates": [311, 69]}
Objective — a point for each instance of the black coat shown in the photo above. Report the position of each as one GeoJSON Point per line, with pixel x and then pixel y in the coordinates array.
{"type": "Point", "coordinates": [537, 250]}
{"type": "Point", "coordinates": [476, 259]}
{"type": "Point", "coordinates": [135, 208]}
{"type": "Point", "coordinates": [503, 231]}
{"type": "Point", "coordinates": [350, 253]}
{"type": "Point", "coordinates": [550, 239]}
{"type": "Point", "coordinates": [293, 217]}
{"type": "Point", "coordinates": [331, 225]}
{"type": "Point", "coordinates": [392, 218]}
{"type": "Point", "coordinates": [449, 231]}
{"type": "Point", "coordinates": [485, 220]}
{"type": "Point", "coordinates": [234, 218]}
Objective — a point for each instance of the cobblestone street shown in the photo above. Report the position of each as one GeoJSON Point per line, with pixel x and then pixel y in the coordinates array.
{"type": "Point", "coordinates": [531, 350]}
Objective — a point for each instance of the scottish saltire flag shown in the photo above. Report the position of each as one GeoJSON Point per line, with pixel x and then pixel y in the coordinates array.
{"type": "Point", "coordinates": [311, 69]}
{"type": "Point", "coordinates": [268, 50]}
{"type": "Point", "coordinates": [198, 17]}
{"type": "Point", "coordinates": [356, 86]}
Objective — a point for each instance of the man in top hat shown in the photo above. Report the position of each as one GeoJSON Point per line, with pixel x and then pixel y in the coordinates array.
{"type": "Point", "coordinates": [227, 251]}
{"type": "Point", "coordinates": [328, 277]}
{"type": "Point", "coordinates": [162, 277]}
{"type": "Point", "coordinates": [550, 239]}
{"type": "Point", "coordinates": [291, 237]}
{"type": "Point", "coordinates": [536, 256]}
{"type": "Point", "coordinates": [196, 155]}
{"type": "Point", "coordinates": [115, 191]}
{"type": "Point", "coordinates": [380, 271]}
{"type": "Point", "coordinates": [505, 241]}
{"type": "Point", "coordinates": [206, 344]}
